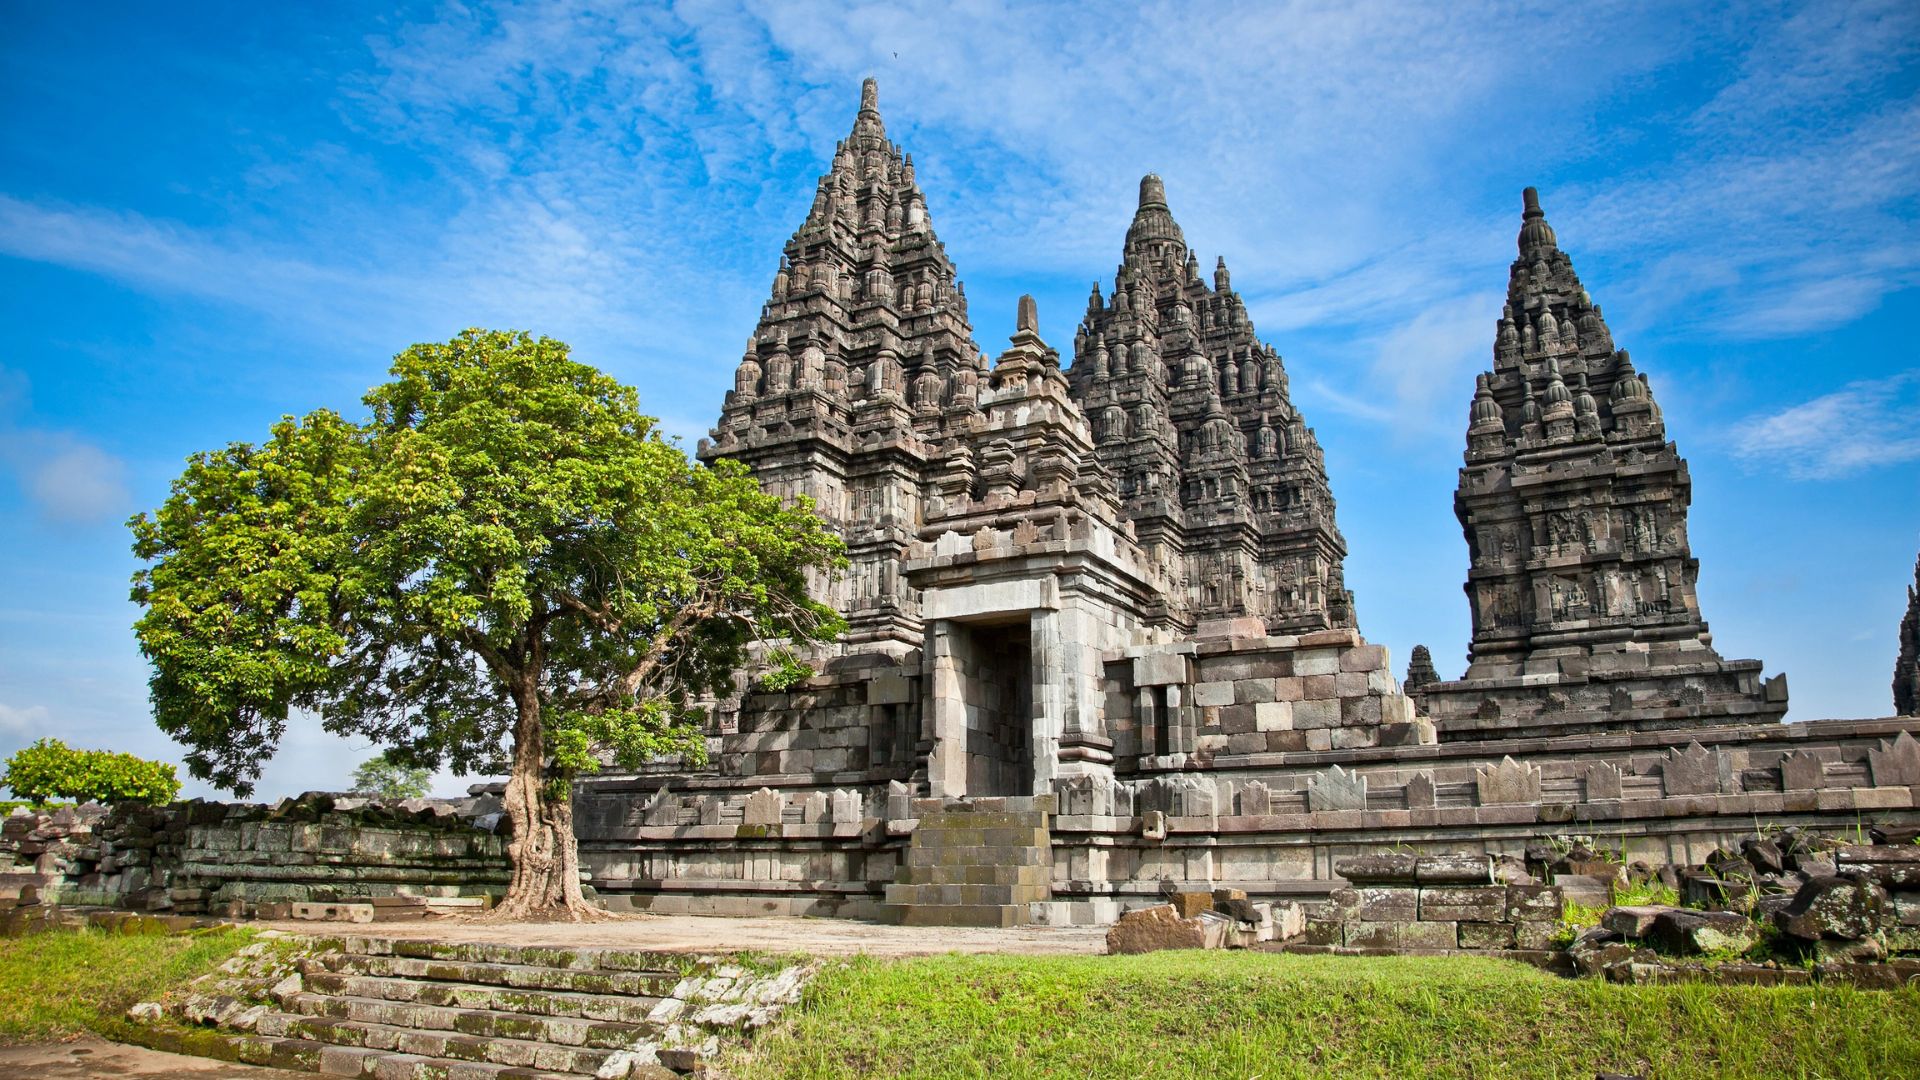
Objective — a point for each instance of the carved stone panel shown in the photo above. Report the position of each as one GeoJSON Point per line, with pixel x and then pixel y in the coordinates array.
{"type": "Point", "coordinates": [1896, 763]}
{"type": "Point", "coordinates": [1337, 789]}
{"type": "Point", "coordinates": [1508, 782]}
{"type": "Point", "coordinates": [1693, 771]}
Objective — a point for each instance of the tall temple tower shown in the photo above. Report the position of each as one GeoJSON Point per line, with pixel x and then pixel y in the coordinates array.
{"type": "Point", "coordinates": [863, 361]}
{"type": "Point", "coordinates": [1217, 471]}
{"type": "Point", "coordinates": [1582, 582]}
{"type": "Point", "coordinates": [1906, 668]}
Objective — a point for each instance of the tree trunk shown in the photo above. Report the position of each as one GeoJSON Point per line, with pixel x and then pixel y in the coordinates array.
{"type": "Point", "coordinates": [542, 853]}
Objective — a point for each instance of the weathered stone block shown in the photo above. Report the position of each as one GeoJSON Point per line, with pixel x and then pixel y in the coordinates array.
{"type": "Point", "coordinates": [1486, 935]}
{"type": "Point", "coordinates": [1836, 909]}
{"type": "Point", "coordinates": [1382, 903]}
{"type": "Point", "coordinates": [1463, 903]}
{"type": "Point", "coordinates": [1163, 669]}
{"type": "Point", "coordinates": [1402, 935]}
{"type": "Point", "coordinates": [1273, 716]}
{"type": "Point", "coordinates": [1534, 903]}
{"type": "Point", "coordinates": [1378, 869]}
{"type": "Point", "coordinates": [1321, 713]}
{"type": "Point", "coordinates": [1453, 870]}
{"type": "Point", "coordinates": [1213, 693]}
{"type": "Point", "coordinates": [1320, 661]}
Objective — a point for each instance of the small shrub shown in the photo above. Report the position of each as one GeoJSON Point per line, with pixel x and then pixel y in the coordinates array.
{"type": "Point", "coordinates": [1574, 919]}
{"type": "Point", "coordinates": [1647, 893]}
{"type": "Point", "coordinates": [788, 672]}
{"type": "Point", "coordinates": [384, 778]}
{"type": "Point", "coordinates": [50, 769]}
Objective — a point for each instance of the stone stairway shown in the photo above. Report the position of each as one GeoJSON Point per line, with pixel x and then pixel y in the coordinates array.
{"type": "Point", "coordinates": [423, 1010]}
{"type": "Point", "coordinates": [975, 862]}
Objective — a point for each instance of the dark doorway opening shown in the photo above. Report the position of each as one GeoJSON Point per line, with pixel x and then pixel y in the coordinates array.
{"type": "Point", "coordinates": [999, 700]}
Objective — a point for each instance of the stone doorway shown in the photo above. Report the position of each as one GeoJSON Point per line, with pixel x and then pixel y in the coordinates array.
{"type": "Point", "coordinates": [982, 708]}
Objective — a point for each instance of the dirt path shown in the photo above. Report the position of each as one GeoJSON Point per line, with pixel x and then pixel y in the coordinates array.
{"type": "Point", "coordinates": [89, 1058]}
{"type": "Point", "coordinates": [694, 933]}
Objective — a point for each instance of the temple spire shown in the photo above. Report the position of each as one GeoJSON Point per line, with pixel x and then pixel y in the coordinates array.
{"type": "Point", "coordinates": [869, 133]}
{"type": "Point", "coordinates": [1153, 193]}
{"type": "Point", "coordinates": [1154, 234]}
{"type": "Point", "coordinates": [1536, 236]}
{"type": "Point", "coordinates": [1906, 667]}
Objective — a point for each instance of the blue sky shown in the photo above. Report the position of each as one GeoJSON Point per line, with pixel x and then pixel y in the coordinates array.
{"type": "Point", "coordinates": [214, 214]}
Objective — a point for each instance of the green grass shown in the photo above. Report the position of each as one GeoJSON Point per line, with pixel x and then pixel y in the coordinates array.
{"type": "Point", "coordinates": [1225, 1015]}
{"type": "Point", "coordinates": [62, 982]}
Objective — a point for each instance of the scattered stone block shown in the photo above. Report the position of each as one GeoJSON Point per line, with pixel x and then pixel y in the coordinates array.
{"type": "Point", "coordinates": [1153, 929]}
{"type": "Point", "coordinates": [1836, 909]}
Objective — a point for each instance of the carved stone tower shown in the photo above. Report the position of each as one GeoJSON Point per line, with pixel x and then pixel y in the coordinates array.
{"type": "Point", "coordinates": [862, 361]}
{"type": "Point", "coordinates": [1575, 510]}
{"type": "Point", "coordinates": [1218, 472]}
{"type": "Point", "coordinates": [1906, 669]}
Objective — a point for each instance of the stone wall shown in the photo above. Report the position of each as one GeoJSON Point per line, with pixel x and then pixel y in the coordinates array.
{"type": "Point", "coordinates": [1276, 825]}
{"type": "Point", "coordinates": [206, 857]}
{"type": "Point", "coordinates": [1410, 903]}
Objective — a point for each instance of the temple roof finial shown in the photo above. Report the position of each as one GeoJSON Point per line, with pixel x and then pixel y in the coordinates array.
{"type": "Point", "coordinates": [1152, 192]}
{"type": "Point", "coordinates": [870, 97]}
{"type": "Point", "coordinates": [1536, 236]}
{"type": "Point", "coordinates": [1028, 315]}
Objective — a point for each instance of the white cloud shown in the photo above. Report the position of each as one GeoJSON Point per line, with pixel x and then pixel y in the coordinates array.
{"type": "Point", "coordinates": [1861, 426]}
{"type": "Point", "coordinates": [18, 722]}
{"type": "Point", "coordinates": [70, 480]}
{"type": "Point", "coordinates": [624, 177]}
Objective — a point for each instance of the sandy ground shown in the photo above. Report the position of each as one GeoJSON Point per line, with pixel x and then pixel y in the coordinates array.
{"type": "Point", "coordinates": [88, 1058]}
{"type": "Point", "coordinates": [697, 933]}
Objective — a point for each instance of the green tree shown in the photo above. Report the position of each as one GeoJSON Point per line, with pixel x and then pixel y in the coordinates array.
{"type": "Point", "coordinates": [505, 568]}
{"type": "Point", "coordinates": [50, 769]}
{"type": "Point", "coordinates": [384, 778]}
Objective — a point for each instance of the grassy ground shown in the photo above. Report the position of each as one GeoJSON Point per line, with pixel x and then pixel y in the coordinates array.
{"type": "Point", "coordinates": [56, 984]}
{"type": "Point", "coordinates": [1220, 1015]}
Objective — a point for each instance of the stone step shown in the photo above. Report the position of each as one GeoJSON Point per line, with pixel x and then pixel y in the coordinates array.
{"type": "Point", "coordinates": [966, 895]}
{"type": "Point", "coordinates": [448, 1045]}
{"type": "Point", "coordinates": [975, 875]}
{"type": "Point", "coordinates": [306, 1055]}
{"type": "Point", "coordinates": [560, 1030]}
{"type": "Point", "coordinates": [1002, 915]}
{"type": "Point", "coordinates": [548, 956]}
{"type": "Point", "coordinates": [623, 1008]}
{"type": "Point", "coordinates": [515, 976]}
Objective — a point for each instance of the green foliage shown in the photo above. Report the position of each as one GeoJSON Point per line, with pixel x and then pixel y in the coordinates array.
{"type": "Point", "coordinates": [56, 984]}
{"type": "Point", "coordinates": [1279, 1017]}
{"type": "Point", "coordinates": [787, 672]}
{"type": "Point", "coordinates": [1649, 892]}
{"type": "Point", "coordinates": [385, 778]}
{"type": "Point", "coordinates": [1574, 918]}
{"type": "Point", "coordinates": [50, 769]}
{"type": "Point", "coordinates": [505, 551]}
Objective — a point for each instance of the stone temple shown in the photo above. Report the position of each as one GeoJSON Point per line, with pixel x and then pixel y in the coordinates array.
{"type": "Point", "coordinates": [1101, 643]}
{"type": "Point", "coordinates": [1574, 504]}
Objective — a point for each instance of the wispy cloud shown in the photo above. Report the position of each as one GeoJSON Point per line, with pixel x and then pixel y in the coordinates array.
{"type": "Point", "coordinates": [68, 479]}
{"type": "Point", "coordinates": [626, 175]}
{"type": "Point", "coordinates": [1858, 427]}
{"type": "Point", "coordinates": [22, 721]}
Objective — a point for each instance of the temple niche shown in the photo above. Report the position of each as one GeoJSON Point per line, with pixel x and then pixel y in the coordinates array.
{"type": "Point", "coordinates": [1218, 472]}
{"type": "Point", "coordinates": [1581, 585]}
